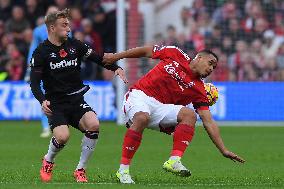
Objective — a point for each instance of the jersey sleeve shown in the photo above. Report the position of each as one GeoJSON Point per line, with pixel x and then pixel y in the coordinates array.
{"type": "Point", "coordinates": [164, 52]}
{"type": "Point", "coordinates": [201, 106]}
{"type": "Point", "coordinates": [83, 49]}
{"type": "Point", "coordinates": [87, 52]}
{"type": "Point", "coordinates": [200, 101]}
{"type": "Point", "coordinates": [36, 64]}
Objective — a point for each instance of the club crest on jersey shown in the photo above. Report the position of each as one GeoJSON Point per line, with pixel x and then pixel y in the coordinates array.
{"type": "Point", "coordinates": [158, 48]}
{"type": "Point", "coordinates": [191, 84]}
{"type": "Point", "coordinates": [72, 50]}
{"type": "Point", "coordinates": [62, 53]}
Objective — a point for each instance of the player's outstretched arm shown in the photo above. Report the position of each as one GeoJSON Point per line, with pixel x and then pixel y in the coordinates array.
{"type": "Point", "coordinates": [137, 52]}
{"type": "Point", "coordinates": [113, 67]}
{"type": "Point", "coordinates": [214, 133]}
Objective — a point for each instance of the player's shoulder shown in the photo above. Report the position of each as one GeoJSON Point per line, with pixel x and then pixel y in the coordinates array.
{"type": "Point", "coordinates": [73, 40]}
{"type": "Point", "coordinates": [180, 52]}
{"type": "Point", "coordinates": [76, 42]}
{"type": "Point", "coordinates": [41, 48]}
{"type": "Point", "coordinates": [79, 45]}
{"type": "Point", "coordinates": [172, 49]}
{"type": "Point", "coordinates": [199, 83]}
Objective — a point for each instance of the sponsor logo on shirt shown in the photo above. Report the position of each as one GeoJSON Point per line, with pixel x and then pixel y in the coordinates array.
{"type": "Point", "coordinates": [52, 55]}
{"type": "Point", "coordinates": [179, 76]}
{"type": "Point", "coordinates": [63, 64]}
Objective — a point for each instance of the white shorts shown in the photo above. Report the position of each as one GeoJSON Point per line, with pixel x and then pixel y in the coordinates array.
{"type": "Point", "coordinates": [161, 115]}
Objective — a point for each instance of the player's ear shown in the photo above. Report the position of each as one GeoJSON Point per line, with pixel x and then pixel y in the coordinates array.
{"type": "Point", "coordinates": [51, 27]}
{"type": "Point", "coordinates": [198, 57]}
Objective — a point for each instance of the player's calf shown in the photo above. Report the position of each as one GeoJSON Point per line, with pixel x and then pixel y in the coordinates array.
{"type": "Point", "coordinates": [88, 145]}
{"type": "Point", "coordinates": [48, 159]}
{"type": "Point", "coordinates": [182, 137]}
{"type": "Point", "coordinates": [89, 124]}
{"type": "Point", "coordinates": [184, 131]}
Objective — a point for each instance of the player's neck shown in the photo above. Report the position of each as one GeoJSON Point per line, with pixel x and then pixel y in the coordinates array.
{"type": "Point", "coordinates": [54, 40]}
{"type": "Point", "coordinates": [193, 68]}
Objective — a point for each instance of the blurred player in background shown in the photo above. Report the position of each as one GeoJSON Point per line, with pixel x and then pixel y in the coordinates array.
{"type": "Point", "coordinates": [157, 101]}
{"type": "Point", "coordinates": [39, 35]}
{"type": "Point", "coordinates": [56, 62]}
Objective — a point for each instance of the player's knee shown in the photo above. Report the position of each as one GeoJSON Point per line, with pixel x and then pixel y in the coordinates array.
{"type": "Point", "coordinates": [92, 125]}
{"type": "Point", "coordinates": [187, 116]}
{"type": "Point", "coordinates": [62, 138]}
{"type": "Point", "coordinates": [141, 118]}
{"type": "Point", "coordinates": [61, 134]}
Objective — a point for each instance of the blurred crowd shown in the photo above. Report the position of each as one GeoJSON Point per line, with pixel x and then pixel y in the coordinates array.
{"type": "Point", "coordinates": [247, 35]}
{"type": "Point", "coordinates": [89, 23]}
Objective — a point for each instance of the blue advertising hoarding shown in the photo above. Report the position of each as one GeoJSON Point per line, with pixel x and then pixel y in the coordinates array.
{"type": "Point", "coordinates": [238, 101]}
{"type": "Point", "coordinates": [249, 101]}
{"type": "Point", "coordinates": [17, 101]}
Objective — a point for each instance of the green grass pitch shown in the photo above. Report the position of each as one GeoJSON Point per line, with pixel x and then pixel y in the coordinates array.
{"type": "Point", "coordinates": [21, 151]}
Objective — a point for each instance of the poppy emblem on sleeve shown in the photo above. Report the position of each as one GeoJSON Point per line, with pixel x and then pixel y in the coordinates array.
{"type": "Point", "coordinates": [62, 53]}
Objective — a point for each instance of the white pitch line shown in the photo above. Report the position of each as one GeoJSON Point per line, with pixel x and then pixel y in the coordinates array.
{"type": "Point", "coordinates": [143, 184]}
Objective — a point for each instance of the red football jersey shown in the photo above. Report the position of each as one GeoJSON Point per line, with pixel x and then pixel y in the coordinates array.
{"type": "Point", "coordinates": [171, 81]}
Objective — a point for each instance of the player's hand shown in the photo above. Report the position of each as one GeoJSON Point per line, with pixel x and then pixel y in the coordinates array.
{"type": "Point", "coordinates": [121, 74]}
{"type": "Point", "coordinates": [233, 156]}
{"type": "Point", "coordinates": [109, 58]}
{"type": "Point", "coordinates": [45, 108]}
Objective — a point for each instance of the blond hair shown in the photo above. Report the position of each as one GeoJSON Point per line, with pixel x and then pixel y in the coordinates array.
{"type": "Point", "coordinates": [51, 18]}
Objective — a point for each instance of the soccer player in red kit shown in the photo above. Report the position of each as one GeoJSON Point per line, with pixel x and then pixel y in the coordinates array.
{"type": "Point", "coordinates": [158, 101]}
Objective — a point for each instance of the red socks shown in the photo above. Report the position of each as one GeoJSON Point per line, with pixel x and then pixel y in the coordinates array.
{"type": "Point", "coordinates": [131, 143]}
{"type": "Point", "coordinates": [182, 137]}
{"type": "Point", "coordinates": [132, 139]}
